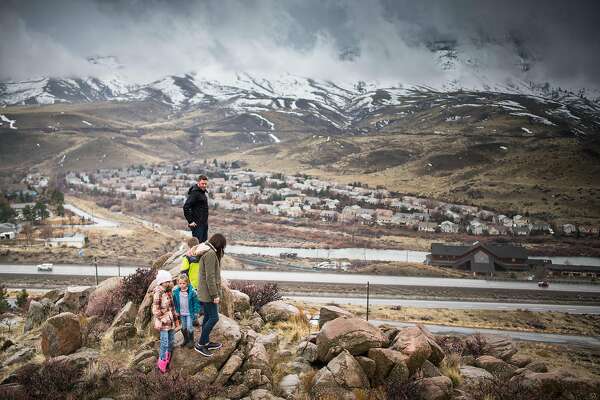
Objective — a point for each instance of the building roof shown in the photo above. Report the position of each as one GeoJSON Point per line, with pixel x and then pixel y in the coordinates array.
{"type": "Point", "coordinates": [500, 251]}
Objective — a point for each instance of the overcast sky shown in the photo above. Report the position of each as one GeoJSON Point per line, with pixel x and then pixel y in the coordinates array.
{"type": "Point", "coordinates": [383, 40]}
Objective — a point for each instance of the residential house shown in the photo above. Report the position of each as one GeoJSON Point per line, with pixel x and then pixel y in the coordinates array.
{"type": "Point", "coordinates": [329, 216]}
{"type": "Point", "coordinates": [8, 231]}
{"type": "Point", "coordinates": [476, 227]}
{"type": "Point", "coordinates": [498, 230]}
{"type": "Point", "coordinates": [449, 227]}
{"type": "Point", "coordinates": [76, 240]}
{"type": "Point", "coordinates": [569, 229]}
{"type": "Point", "coordinates": [541, 227]}
{"type": "Point", "coordinates": [427, 226]}
{"type": "Point", "coordinates": [521, 230]}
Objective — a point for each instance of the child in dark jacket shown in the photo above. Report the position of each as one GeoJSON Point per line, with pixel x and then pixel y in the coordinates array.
{"type": "Point", "coordinates": [187, 306]}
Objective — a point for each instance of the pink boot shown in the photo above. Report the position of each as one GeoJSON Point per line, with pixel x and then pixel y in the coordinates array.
{"type": "Point", "coordinates": [168, 359]}
{"type": "Point", "coordinates": [162, 365]}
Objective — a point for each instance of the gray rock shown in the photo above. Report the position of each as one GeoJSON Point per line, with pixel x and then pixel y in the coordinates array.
{"type": "Point", "coordinates": [278, 311]}
{"type": "Point", "coordinates": [231, 366]}
{"type": "Point", "coordinates": [271, 343]}
{"type": "Point", "coordinates": [75, 299]}
{"type": "Point", "coordinates": [38, 313]}
{"type": "Point", "coordinates": [262, 394]}
{"type": "Point", "coordinates": [368, 365]}
{"type": "Point", "coordinates": [126, 315]}
{"type": "Point", "coordinates": [495, 366]}
{"type": "Point", "coordinates": [142, 356]}
{"type": "Point", "coordinates": [241, 301]}
{"type": "Point", "coordinates": [308, 351]}
{"type": "Point", "coordinates": [437, 388]}
{"type": "Point", "coordinates": [473, 376]}
{"type": "Point", "coordinates": [20, 355]}
{"type": "Point", "coordinates": [430, 370]}
{"type": "Point", "coordinates": [289, 385]}
{"type": "Point", "coordinates": [258, 358]}
{"type": "Point", "coordinates": [53, 295]}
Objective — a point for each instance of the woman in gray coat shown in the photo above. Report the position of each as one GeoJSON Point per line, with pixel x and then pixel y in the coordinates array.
{"type": "Point", "coordinates": [209, 291]}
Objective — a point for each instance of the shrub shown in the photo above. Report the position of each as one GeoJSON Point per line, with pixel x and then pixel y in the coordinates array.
{"type": "Point", "coordinates": [172, 386]}
{"type": "Point", "coordinates": [259, 294]}
{"type": "Point", "coordinates": [50, 380]}
{"type": "Point", "coordinates": [396, 390]}
{"type": "Point", "coordinates": [4, 306]}
{"type": "Point", "coordinates": [475, 346]}
{"type": "Point", "coordinates": [451, 344]}
{"type": "Point", "coordinates": [136, 285]}
{"type": "Point", "coordinates": [450, 366]}
{"type": "Point", "coordinates": [22, 299]}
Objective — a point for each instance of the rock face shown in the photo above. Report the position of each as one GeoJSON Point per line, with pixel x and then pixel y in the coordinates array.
{"type": "Point", "coordinates": [307, 351]}
{"type": "Point", "coordinates": [289, 385]}
{"type": "Point", "coordinates": [437, 388]}
{"type": "Point", "coordinates": [38, 313]}
{"type": "Point", "coordinates": [144, 313]}
{"type": "Point", "coordinates": [386, 360]}
{"type": "Point", "coordinates": [241, 301]}
{"type": "Point", "coordinates": [561, 382]}
{"type": "Point", "coordinates": [75, 299]}
{"type": "Point", "coordinates": [278, 311]}
{"type": "Point", "coordinates": [495, 366]}
{"type": "Point", "coordinates": [499, 346]}
{"type": "Point", "coordinates": [339, 378]}
{"type": "Point", "coordinates": [258, 358]}
{"type": "Point", "coordinates": [189, 362]}
{"type": "Point", "coordinates": [353, 334]}
{"type": "Point", "coordinates": [472, 376]}
{"type": "Point", "coordinates": [126, 315]}
{"type": "Point", "coordinates": [414, 344]}
{"type": "Point", "coordinates": [61, 335]}
{"type": "Point", "coordinates": [329, 313]}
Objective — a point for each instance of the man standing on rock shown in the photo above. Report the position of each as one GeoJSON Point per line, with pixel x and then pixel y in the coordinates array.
{"type": "Point", "coordinates": [195, 209]}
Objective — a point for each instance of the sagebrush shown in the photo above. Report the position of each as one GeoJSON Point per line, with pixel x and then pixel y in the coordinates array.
{"type": "Point", "coordinates": [259, 294]}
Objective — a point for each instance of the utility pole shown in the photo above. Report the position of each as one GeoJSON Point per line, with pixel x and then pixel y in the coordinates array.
{"type": "Point", "coordinates": [368, 300]}
{"type": "Point", "coordinates": [96, 266]}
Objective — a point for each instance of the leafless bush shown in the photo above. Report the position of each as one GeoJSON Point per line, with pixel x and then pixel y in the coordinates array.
{"type": "Point", "coordinates": [499, 388]}
{"type": "Point", "coordinates": [475, 346]}
{"type": "Point", "coordinates": [173, 386]}
{"type": "Point", "coordinates": [259, 294]}
{"type": "Point", "coordinates": [397, 390]}
{"type": "Point", "coordinates": [451, 344]}
{"type": "Point", "coordinates": [136, 285]}
{"type": "Point", "coordinates": [51, 380]}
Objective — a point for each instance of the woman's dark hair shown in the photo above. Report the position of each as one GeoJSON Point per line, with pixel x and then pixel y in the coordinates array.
{"type": "Point", "coordinates": [219, 242]}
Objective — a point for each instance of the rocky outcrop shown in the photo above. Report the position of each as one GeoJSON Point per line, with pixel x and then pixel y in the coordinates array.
{"type": "Point", "coordinates": [278, 311]}
{"type": "Point", "coordinates": [329, 313]}
{"type": "Point", "coordinates": [227, 332]}
{"type": "Point", "coordinates": [75, 299]}
{"type": "Point", "coordinates": [436, 388]}
{"type": "Point", "coordinates": [127, 315]}
{"type": "Point", "coordinates": [38, 313]}
{"type": "Point", "coordinates": [61, 335]}
{"type": "Point", "coordinates": [473, 376]}
{"type": "Point", "coordinates": [499, 346]}
{"type": "Point", "coordinates": [353, 334]}
{"type": "Point", "coordinates": [342, 375]}
{"type": "Point", "coordinates": [387, 360]}
{"type": "Point", "coordinates": [495, 366]}
{"type": "Point", "coordinates": [414, 344]}
{"type": "Point", "coordinates": [563, 382]}
{"type": "Point", "coordinates": [241, 301]}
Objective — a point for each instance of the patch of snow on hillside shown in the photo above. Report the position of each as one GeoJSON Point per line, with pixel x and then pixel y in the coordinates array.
{"type": "Point", "coordinates": [20, 92]}
{"type": "Point", "coordinates": [269, 123]}
{"type": "Point", "coordinates": [563, 112]}
{"type": "Point", "coordinates": [275, 138]}
{"type": "Point", "coordinates": [504, 148]}
{"type": "Point", "coordinates": [171, 90]}
{"type": "Point", "coordinates": [510, 105]}
{"type": "Point", "coordinates": [526, 130]}
{"type": "Point", "coordinates": [536, 118]}
{"type": "Point", "coordinates": [11, 122]}
{"type": "Point", "coordinates": [87, 123]}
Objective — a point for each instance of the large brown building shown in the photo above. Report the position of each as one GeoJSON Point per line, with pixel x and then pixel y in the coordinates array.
{"type": "Point", "coordinates": [479, 257]}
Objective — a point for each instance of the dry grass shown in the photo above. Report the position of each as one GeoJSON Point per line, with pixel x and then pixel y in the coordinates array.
{"type": "Point", "coordinates": [450, 367]}
{"type": "Point", "coordinates": [292, 330]}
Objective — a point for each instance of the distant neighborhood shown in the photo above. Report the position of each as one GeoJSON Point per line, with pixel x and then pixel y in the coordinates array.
{"type": "Point", "coordinates": [302, 196]}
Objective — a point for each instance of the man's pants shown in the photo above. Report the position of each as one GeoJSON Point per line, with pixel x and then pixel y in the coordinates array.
{"type": "Point", "coordinates": [200, 232]}
{"type": "Point", "coordinates": [211, 317]}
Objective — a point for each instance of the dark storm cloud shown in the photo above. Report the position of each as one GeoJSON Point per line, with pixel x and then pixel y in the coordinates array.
{"type": "Point", "coordinates": [385, 40]}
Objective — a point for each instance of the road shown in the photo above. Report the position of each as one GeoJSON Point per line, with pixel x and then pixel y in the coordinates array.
{"type": "Point", "coordinates": [588, 342]}
{"type": "Point", "coordinates": [321, 277]}
{"type": "Point", "coordinates": [98, 222]}
{"type": "Point", "coordinates": [454, 305]}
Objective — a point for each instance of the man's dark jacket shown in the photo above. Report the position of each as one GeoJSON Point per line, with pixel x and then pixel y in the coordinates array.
{"type": "Point", "coordinates": [195, 208]}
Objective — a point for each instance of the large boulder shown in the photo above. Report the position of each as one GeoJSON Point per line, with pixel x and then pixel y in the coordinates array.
{"type": "Point", "coordinates": [436, 388]}
{"type": "Point", "coordinates": [307, 351]}
{"type": "Point", "coordinates": [495, 366]}
{"type": "Point", "coordinates": [520, 360]}
{"type": "Point", "coordinates": [39, 312]}
{"type": "Point", "coordinates": [353, 334]}
{"type": "Point", "coordinates": [75, 299]}
{"type": "Point", "coordinates": [340, 378]}
{"type": "Point", "coordinates": [437, 353]}
{"type": "Point", "coordinates": [226, 331]}
{"type": "Point", "coordinates": [61, 335]}
{"type": "Point", "coordinates": [387, 360]}
{"type": "Point", "coordinates": [144, 315]}
{"type": "Point", "coordinates": [271, 343]}
{"type": "Point", "coordinates": [499, 346]}
{"type": "Point", "coordinates": [241, 301]}
{"type": "Point", "coordinates": [473, 376]}
{"type": "Point", "coordinates": [561, 383]}
{"type": "Point", "coordinates": [289, 385]}
{"type": "Point", "coordinates": [80, 359]}
{"type": "Point", "coordinates": [414, 344]}
{"type": "Point", "coordinates": [117, 337]}
{"type": "Point", "coordinates": [234, 362]}
{"type": "Point", "coordinates": [258, 358]}
{"type": "Point", "coordinates": [127, 315]}
{"type": "Point", "coordinates": [278, 311]}
{"type": "Point", "coordinates": [106, 286]}
{"type": "Point", "coordinates": [329, 313]}
{"type": "Point", "coordinates": [18, 354]}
